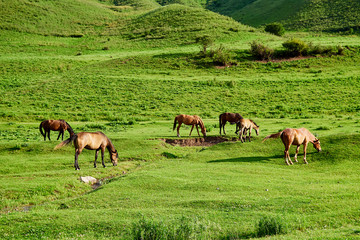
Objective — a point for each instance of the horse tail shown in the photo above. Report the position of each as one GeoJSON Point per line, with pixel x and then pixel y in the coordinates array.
{"type": "Point", "coordinates": [275, 135]}
{"type": "Point", "coordinates": [40, 128]}
{"type": "Point", "coordinates": [175, 122]}
{"type": "Point", "coordinates": [220, 116]}
{"type": "Point", "coordinates": [65, 142]}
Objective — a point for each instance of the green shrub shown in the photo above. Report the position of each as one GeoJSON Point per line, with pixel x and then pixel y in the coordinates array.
{"type": "Point", "coordinates": [275, 28]}
{"type": "Point", "coordinates": [296, 47]}
{"type": "Point", "coordinates": [183, 228]}
{"type": "Point", "coordinates": [268, 226]}
{"type": "Point", "coordinates": [221, 56]}
{"type": "Point", "coordinates": [260, 51]}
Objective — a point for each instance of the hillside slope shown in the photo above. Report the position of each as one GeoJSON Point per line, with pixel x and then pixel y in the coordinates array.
{"type": "Point", "coordinates": [181, 22]}
{"type": "Point", "coordinates": [137, 21]}
{"type": "Point", "coordinates": [256, 12]}
{"type": "Point", "coordinates": [64, 17]}
{"type": "Point", "coordinates": [330, 15]}
{"type": "Point", "coordinates": [294, 14]}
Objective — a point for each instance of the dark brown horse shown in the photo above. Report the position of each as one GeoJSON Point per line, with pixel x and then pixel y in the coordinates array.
{"type": "Point", "coordinates": [233, 118]}
{"type": "Point", "coordinates": [245, 125]}
{"type": "Point", "coordinates": [55, 125]}
{"type": "Point", "coordinates": [291, 136]}
{"type": "Point", "coordinates": [189, 120]}
{"type": "Point", "coordinates": [92, 141]}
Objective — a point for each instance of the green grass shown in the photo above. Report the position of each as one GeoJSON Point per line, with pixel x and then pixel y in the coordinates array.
{"type": "Point", "coordinates": [131, 89]}
{"type": "Point", "coordinates": [225, 189]}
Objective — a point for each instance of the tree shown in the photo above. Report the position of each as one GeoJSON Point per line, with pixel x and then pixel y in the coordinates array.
{"type": "Point", "coordinates": [206, 41]}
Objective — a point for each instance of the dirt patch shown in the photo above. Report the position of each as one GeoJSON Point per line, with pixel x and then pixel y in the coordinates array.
{"type": "Point", "coordinates": [206, 141]}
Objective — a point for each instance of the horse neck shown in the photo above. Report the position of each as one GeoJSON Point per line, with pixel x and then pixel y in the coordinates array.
{"type": "Point", "coordinates": [110, 146]}
{"type": "Point", "coordinates": [200, 122]}
{"type": "Point", "coordinates": [69, 129]}
{"type": "Point", "coordinates": [253, 124]}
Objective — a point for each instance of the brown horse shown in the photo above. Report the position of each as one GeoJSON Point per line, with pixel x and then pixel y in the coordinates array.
{"type": "Point", "coordinates": [92, 141]}
{"type": "Point", "coordinates": [291, 136]}
{"type": "Point", "coordinates": [189, 120]}
{"type": "Point", "coordinates": [229, 117]}
{"type": "Point", "coordinates": [55, 125]}
{"type": "Point", "coordinates": [244, 125]}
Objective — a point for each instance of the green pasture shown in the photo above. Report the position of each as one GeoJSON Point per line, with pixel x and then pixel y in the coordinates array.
{"type": "Point", "coordinates": [225, 188]}
{"type": "Point", "coordinates": [130, 86]}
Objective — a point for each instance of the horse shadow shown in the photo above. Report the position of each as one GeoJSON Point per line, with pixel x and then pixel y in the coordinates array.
{"type": "Point", "coordinates": [246, 159]}
{"type": "Point", "coordinates": [256, 159]}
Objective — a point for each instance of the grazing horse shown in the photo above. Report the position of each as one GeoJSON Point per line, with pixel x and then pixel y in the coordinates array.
{"type": "Point", "coordinates": [291, 136]}
{"type": "Point", "coordinates": [229, 117]}
{"type": "Point", "coordinates": [55, 125]}
{"type": "Point", "coordinates": [244, 125]}
{"type": "Point", "coordinates": [92, 141]}
{"type": "Point", "coordinates": [189, 120]}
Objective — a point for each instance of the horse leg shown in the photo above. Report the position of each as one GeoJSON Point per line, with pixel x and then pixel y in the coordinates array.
{"type": "Point", "coordinates": [197, 130]}
{"type": "Point", "coordinates": [102, 156]}
{"type": "Point", "coordinates": [76, 164]}
{"type": "Point", "coordinates": [49, 135]}
{"type": "Point", "coordinates": [62, 135]}
{"type": "Point", "coordinates": [224, 128]}
{"type": "Point", "coordinates": [305, 146]}
{"type": "Point", "coordinates": [45, 135]}
{"type": "Point", "coordinates": [244, 134]}
{"type": "Point", "coordinates": [250, 134]}
{"type": "Point", "coordinates": [96, 156]}
{"type": "Point", "coordinates": [192, 130]}
{"type": "Point", "coordinates": [287, 155]}
{"type": "Point", "coordinates": [241, 134]}
{"type": "Point", "coordinates": [59, 135]}
{"type": "Point", "coordinates": [296, 153]}
{"type": "Point", "coordinates": [178, 128]}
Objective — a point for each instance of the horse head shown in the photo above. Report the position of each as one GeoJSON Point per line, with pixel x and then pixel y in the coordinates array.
{"type": "Point", "coordinates": [316, 144]}
{"type": "Point", "coordinates": [203, 130]}
{"type": "Point", "coordinates": [257, 130]}
{"type": "Point", "coordinates": [114, 157]}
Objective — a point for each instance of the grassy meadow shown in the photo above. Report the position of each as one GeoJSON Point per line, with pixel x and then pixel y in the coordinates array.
{"type": "Point", "coordinates": [114, 75]}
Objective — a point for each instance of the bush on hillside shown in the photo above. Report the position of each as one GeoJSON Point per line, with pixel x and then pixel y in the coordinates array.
{"type": "Point", "coordinates": [260, 51]}
{"type": "Point", "coordinates": [221, 56]}
{"type": "Point", "coordinates": [275, 28]}
{"type": "Point", "coordinates": [295, 48]}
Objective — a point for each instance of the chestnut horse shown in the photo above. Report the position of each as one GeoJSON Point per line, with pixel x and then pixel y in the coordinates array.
{"type": "Point", "coordinates": [189, 120]}
{"type": "Point", "coordinates": [229, 117]}
{"type": "Point", "coordinates": [55, 125]}
{"type": "Point", "coordinates": [291, 136]}
{"type": "Point", "coordinates": [244, 125]}
{"type": "Point", "coordinates": [92, 141]}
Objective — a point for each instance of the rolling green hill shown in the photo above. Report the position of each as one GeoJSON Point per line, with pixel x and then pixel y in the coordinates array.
{"type": "Point", "coordinates": [134, 20]}
{"type": "Point", "coordinates": [181, 22]}
{"type": "Point", "coordinates": [294, 14]}
{"type": "Point", "coordinates": [64, 18]}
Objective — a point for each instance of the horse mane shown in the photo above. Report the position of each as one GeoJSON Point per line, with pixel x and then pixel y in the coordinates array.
{"type": "Point", "coordinates": [201, 123]}
{"type": "Point", "coordinates": [70, 130]}
{"type": "Point", "coordinates": [253, 122]}
{"type": "Point", "coordinates": [110, 145]}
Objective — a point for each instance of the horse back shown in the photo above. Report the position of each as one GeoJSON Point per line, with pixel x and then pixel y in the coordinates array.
{"type": "Point", "coordinates": [293, 136]}
{"type": "Point", "coordinates": [90, 140]}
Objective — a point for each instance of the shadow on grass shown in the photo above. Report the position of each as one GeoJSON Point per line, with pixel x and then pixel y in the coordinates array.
{"type": "Point", "coordinates": [247, 159]}
{"type": "Point", "coordinates": [259, 159]}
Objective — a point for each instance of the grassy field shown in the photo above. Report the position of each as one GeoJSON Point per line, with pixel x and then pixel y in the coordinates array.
{"type": "Point", "coordinates": [130, 86]}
